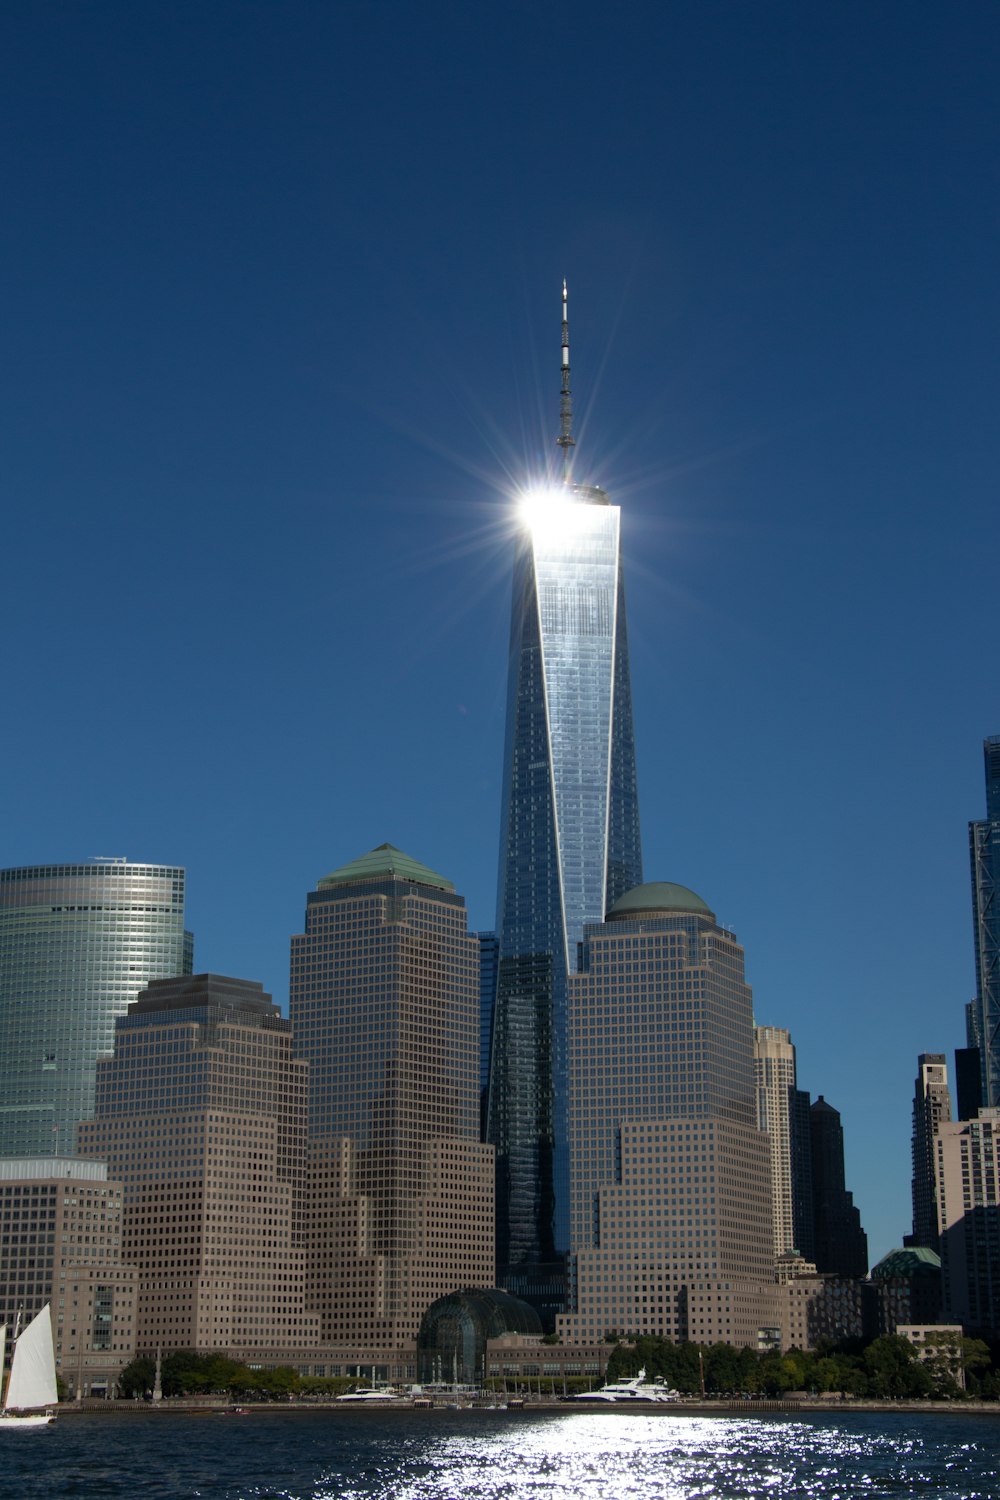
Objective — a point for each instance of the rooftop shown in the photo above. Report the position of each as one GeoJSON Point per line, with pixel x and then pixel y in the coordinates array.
{"type": "Point", "coordinates": [658, 897]}
{"type": "Point", "coordinates": [384, 861]}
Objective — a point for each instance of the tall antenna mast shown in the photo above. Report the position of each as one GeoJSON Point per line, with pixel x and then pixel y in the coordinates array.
{"type": "Point", "coordinates": [565, 440]}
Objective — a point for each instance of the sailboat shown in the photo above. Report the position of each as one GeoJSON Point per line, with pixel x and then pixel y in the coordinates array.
{"type": "Point", "coordinates": [32, 1381]}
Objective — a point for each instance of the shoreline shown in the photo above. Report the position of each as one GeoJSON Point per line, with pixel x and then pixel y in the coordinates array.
{"type": "Point", "coordinates": [696, 1408]}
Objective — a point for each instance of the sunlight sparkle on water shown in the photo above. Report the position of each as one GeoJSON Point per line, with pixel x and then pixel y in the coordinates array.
{"type": "Point", "coordinates": [596, 1457]}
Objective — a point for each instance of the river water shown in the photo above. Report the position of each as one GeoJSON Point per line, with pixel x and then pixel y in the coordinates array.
{"type": "Point", "coordinates": [418, 1455]}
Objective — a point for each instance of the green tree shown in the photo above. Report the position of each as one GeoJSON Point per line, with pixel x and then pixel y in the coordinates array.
{"type": "Point", "coordinates": [894, 1370]}
{"type": "Point", "coordinates": [137, 1378]}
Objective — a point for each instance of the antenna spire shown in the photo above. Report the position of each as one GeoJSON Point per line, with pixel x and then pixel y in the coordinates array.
{"type": "Point", "coordinates": [565, 440]}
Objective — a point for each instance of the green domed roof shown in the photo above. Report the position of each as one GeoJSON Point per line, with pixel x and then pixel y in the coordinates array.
{"type": "Point", "coordinates": [383, 861]}
{"type": "Point", "coordinates": [913, 1261]}
{"type": "Point", "coordinates": [656, 897]}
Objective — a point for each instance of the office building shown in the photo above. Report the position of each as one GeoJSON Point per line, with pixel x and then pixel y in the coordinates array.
{"type": "Point", "coordinates": [774, 1075]}
{"type": "Point", "coordinates": [931, 1109]}
{"type": "Point", "coordinates": [984, 853]}
{"type": "Point", "coordinates": [61, 1243]}
{"type": "Point", "coordinates": [569, 845]}
{"type": "Point", "coordinates": [907, 1289]}
{"type": "Point", "coordinates": [803, 1226]}
{"type": "Point", "coordinates": [77, 943]}
{"type": "Point", "coordinates": [201, 1114]}
{"type": "Point", "coordinates": [488, 956]}
{"type": "Point", "coordinates": [968, 1199]}
{"type": "Point", "coordinates": [384, 999]}
{"type": "Point", "coordinates": [670, 1176]}
{"type": "Point", "coordinates": [841, 1245]}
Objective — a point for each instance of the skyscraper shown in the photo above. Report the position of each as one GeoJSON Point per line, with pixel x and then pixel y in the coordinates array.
{"type": "Point", "coordinates": [841, 1245]}
{"type": "Point", "coordinates": [774, 1073]}
{"type": "Point", "coordinates": [931, 1110]}
{"type": "Point", "coordinates": [77, 943]}
{"type": "Point", "coordinates": [384, 999]}
{"type": "Point", "coordinates": [569, 844]}
{"type": "Point", "coordinates": [201, 1114]}
{"type": "Point", "coordinates": [984, 853]}
{"type": "Point", "coordinates": [670, 1175]}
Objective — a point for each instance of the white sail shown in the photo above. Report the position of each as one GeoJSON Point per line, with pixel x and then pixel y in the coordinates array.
{"type": "Point", "coordinates": [33, 1369]}
{"type": "Point", "coordinates": [3, 1350]}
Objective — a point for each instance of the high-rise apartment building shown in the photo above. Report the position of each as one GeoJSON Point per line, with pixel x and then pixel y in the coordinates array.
{"type": "Point", "coordinates": [931, 1110]}
{"type": "Point", "coordinates": [384, 1000]}
{"type": "Point", "coordinates": [61, 1243]}
{"type": "Point", "coordinates": [201, 1114]}
{"type": "Point", "coordinates": [774, 1075]}
{"type": "Point", "coordinates": [968, 1201]}
{"type": "Point", "coordinates": [77, 943]}
{"type": "Point", "coordinates": [841, 1245]}
{"type": "Point", "coordinates": [569, 845]}
{"type": "Point", "coordinates": [984, 852]}
{"type": "Point", "coordinates": [670, 1176]}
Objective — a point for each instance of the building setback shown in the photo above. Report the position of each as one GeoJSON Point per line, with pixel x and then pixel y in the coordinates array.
{"type": "Point", "coordinates": [384, 999]}
{"type": "Point", "coordinates": [569, 846]}
{"type": "Point", "coordinates": [77, 943]}
{"type": "Point", "coordinates": [670, 1176]}
{"type": "Point", "coordinates": [61, 1243]}
{"type": "Point", "coordinates": [201, 1113]}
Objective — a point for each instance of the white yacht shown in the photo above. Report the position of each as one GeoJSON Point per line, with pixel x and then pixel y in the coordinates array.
{"type": "Point", "coordinates": [632, 1392]}
{"type": "Point", "coordinates": [371, 1398]}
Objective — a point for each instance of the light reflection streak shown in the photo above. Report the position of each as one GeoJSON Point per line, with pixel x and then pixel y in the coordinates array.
{"type": "Point", "coordinates": [656, 1457]}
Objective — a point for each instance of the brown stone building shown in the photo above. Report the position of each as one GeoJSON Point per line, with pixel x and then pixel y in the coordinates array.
{"type": "Point", "coordinates": [61, 1243]}
{"type": "Point", "coordinates": [384, 999]}
{"type": "Point", "coordinates": [670, 1177]}
{"type": "Point", "coordinates": [201, 1114]}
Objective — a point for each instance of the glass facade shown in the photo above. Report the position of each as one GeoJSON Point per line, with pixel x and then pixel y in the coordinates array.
{"type": "Point", "coordinates": [77, 944]}
{"type": "Point", "coordinates": [984, 851]}
{"type": "Point", "coordinates": [569, 847]}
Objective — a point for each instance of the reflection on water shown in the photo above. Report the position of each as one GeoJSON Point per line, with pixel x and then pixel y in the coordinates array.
{"type": "Point", "coordinates": [405, 1455]}
{"type": "Point", "coordinates": [677, 1458]}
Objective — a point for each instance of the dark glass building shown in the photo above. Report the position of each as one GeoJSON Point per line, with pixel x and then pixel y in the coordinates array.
{"type": "Point", "coordinates": [984, 853]}
{"type": "Point", "coordinates": [840, 1243]}
{"type": "Point", "coordinates": [569, 847]}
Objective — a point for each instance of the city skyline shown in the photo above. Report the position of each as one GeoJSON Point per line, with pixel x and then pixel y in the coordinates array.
{"type": "Point", "coordinates": [280, 358]}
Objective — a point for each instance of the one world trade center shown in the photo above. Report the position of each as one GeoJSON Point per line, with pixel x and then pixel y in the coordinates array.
{"type": "Point", "coordinates": [569, 844]}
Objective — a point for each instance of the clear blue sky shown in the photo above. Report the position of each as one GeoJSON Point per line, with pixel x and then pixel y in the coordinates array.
{"type": "Point", "coordinates": [280, 290]}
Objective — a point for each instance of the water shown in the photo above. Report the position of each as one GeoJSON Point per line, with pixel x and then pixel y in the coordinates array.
{"type": "Point", "coordinates": [415, 1455]}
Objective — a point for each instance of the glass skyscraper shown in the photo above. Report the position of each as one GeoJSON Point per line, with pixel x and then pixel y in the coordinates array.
{"type": "Point", "coordinates": [569, 848]}
{"type": "Point", "coordinates": [77, 944]}
{"type": "Point", "coordinates": [984, 850]}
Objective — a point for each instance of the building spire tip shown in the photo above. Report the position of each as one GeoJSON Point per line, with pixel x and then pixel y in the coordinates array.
{"type": "Point", "coordinates": [565, 440]}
